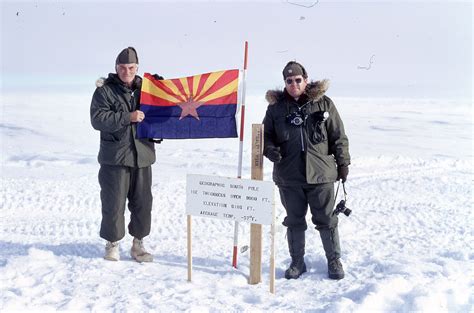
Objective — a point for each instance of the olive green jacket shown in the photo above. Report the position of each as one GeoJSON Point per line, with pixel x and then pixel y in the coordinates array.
{"type": "Point", "coordinates": [310, 152]}
{"type": "Point", "coordinates": [111, 106]}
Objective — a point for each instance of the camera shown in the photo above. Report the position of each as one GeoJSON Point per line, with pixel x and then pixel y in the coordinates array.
{"type": "Point", "coordinates": [299, 116]}
{"type": "Point", "coordinates": [341, 208]}
{"type": "Point", "coordinates": [296, 118]}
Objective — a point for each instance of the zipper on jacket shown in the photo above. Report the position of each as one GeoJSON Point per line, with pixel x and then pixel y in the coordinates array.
{"type": "Point", "coordinates": [132, 101]}
{"type": "Point", "coordinates": [302, 140]}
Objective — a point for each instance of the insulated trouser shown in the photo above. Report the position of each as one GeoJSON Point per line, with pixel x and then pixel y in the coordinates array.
{"type": "Point", "coordinates": [119, 183]}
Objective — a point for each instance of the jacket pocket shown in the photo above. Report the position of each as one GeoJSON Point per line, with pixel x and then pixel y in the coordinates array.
{"type": "Point", "coordinates": [115, 136]}
{"type": "Point", "coordinates": [318, 132]}
{"type": "Point", "coordinates": [108, 137]}
{"type": "Point", "coordinates": [320, 168]}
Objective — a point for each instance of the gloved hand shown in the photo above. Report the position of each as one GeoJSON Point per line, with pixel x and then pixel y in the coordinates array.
{"type": "Point", "coordinates": [156, 140]}
{"type": "Point", "coordinates": [273, 154]}
{"type": "Point", "coordinates": [157, 77]}
{"type": "Point", "coordinates": [342, 172]}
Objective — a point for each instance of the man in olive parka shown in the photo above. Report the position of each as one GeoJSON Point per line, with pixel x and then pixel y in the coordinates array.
{"type": "Point", "coordinates": [125, 161]}
{"type": "Point", "coordinates": [304, 137]}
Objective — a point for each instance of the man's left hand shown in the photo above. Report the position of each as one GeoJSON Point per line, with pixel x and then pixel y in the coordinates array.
{"type": "Point", "coordinates": [137, 116]}
{"type": "Point", "coordinates": [342, 172]}
{"type": "Point", "coordinates": [156, 140]}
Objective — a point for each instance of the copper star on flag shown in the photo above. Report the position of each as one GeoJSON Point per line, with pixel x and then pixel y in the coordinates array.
{"type": "Point", "coordinates": [189, 108]}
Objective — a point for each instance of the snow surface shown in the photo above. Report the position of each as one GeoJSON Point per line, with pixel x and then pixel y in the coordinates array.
{"type": "Point", "coordinates": [408, 246]}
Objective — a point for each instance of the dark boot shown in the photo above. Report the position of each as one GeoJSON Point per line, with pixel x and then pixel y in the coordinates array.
{"type": "Point", "coordinates": [296, 242]}
{"type": "Point", "coordinates": [335, 270]}
{"type": "Point", "coordinates": [330, 240]}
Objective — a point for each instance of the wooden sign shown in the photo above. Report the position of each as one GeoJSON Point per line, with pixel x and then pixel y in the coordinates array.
{"type": "Point", "coordinates": [236, 199]}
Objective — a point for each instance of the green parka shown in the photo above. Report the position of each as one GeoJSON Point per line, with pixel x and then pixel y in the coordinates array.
{"type": "Point", "coordinates": [310, 152]}
{"type": "Point", "coordinates": [111, 106]}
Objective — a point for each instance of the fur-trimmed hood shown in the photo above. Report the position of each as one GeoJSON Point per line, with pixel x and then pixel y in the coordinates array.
{"type": "Point", "coordinates": [314, 91]}
{"type": "Point", "coordinates": [113, 78]}
{"type": "Point", "coordinates": [100, 82]}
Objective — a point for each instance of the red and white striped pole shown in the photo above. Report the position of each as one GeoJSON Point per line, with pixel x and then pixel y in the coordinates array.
{"type": "Point", "coordinates": [241, 145]}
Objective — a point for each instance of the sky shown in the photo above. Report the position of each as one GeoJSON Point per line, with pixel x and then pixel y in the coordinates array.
{"type": "Point", "coordinates": [417, 49]}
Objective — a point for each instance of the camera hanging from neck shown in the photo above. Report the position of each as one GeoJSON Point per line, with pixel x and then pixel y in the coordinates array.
{"type": "Point", "coordinates": [299, 116]}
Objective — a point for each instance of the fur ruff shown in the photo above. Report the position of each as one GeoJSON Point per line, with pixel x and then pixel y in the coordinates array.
{"type": "Point", "coordinates": [314, 91]}
{"type": "Point", "coordinates": [100, 82]}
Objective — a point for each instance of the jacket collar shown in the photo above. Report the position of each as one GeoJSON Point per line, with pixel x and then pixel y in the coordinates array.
{"type": "Point", "coordinates": [115, 80]}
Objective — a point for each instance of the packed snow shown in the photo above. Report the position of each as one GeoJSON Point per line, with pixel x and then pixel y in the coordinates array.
{"type": "Point", "coordinates": [408, 245]}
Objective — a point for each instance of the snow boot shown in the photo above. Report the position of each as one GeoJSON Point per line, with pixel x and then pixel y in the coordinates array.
{"type": "Point", "coordinates": [112, 252]}
{"type": "Point", "coordinates": [330, 240]}
{"type": "Point", "coordinates": [335, 270]}
{"type": "Point", "coordinates": [139, 253]}
{"type": "Point", "coordinates": [296, 243]}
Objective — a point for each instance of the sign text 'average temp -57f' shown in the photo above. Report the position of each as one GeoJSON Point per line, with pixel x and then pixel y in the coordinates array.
{"type": "Point", "coordinates": [242, 200]}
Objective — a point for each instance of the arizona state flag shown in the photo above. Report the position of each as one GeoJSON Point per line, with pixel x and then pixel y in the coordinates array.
{"type": "Point", "coordinates": [200, 106]}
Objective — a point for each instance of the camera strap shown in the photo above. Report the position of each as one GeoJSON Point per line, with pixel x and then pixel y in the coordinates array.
{"type": "Point", "coordinates": [343, 188]}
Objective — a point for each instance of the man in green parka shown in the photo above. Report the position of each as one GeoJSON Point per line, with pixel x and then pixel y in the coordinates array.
{"type": "Point", "coordinates": [125, 161]}
{"type": "Point", "coordinates": [305, 139]}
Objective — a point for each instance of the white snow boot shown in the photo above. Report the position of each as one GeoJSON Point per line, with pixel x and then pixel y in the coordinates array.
{"type": "Point", "coordinates": [112, 251]}
{"type": "Point", "coordinates": [139, 253]}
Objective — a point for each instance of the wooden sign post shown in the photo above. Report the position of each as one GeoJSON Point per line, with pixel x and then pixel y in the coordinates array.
{"type": "Point", "coordinates": [255, 276]}
{"type": "Point", "coordinates": [243, 200]}
{"type": "Point", "coordinates": [190, 249]}
{"type": "Point", "coordinates": [240, 200]}
{"type": "Point", "coordinates": [256, 229]}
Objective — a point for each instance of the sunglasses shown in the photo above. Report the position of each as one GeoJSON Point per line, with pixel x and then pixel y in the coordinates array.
{"type": "Point", "coordinates": [289, 81]}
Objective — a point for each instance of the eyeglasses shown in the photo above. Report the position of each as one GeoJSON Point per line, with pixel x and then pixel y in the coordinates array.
{"type": "Point", "coordinates": [289, 81]}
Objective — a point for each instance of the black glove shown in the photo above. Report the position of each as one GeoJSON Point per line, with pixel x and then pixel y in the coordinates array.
{"type": "Point", "coordinates": [156, 140]}
{"type": "Point", "coordinates": [273, 154]}
{"type": "Point", "coordinates": [342, 172]}
{"type": "Point", "coordinates": [157, 77]}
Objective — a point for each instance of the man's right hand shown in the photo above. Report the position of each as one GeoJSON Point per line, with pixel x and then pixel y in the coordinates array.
{"type": "Point", "coordinates": [273, 154]}
{"type": "Point", "coordinates": [137, 116]}
{"type": "Point", "coordinates": [342, 172]}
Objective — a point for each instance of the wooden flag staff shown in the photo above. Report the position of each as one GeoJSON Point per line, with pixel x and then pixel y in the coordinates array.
{"type": "Point", "coordinates": [241, 144]}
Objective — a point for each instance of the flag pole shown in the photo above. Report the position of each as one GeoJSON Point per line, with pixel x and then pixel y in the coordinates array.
{"type": "Point", "coordinates": [241, 145]}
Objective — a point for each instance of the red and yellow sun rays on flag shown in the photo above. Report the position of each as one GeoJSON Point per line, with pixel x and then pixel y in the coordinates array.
{"type": "Point", "coordinates": [200, 106]}
{"type": "Point", "coordinates": [216, 88]}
